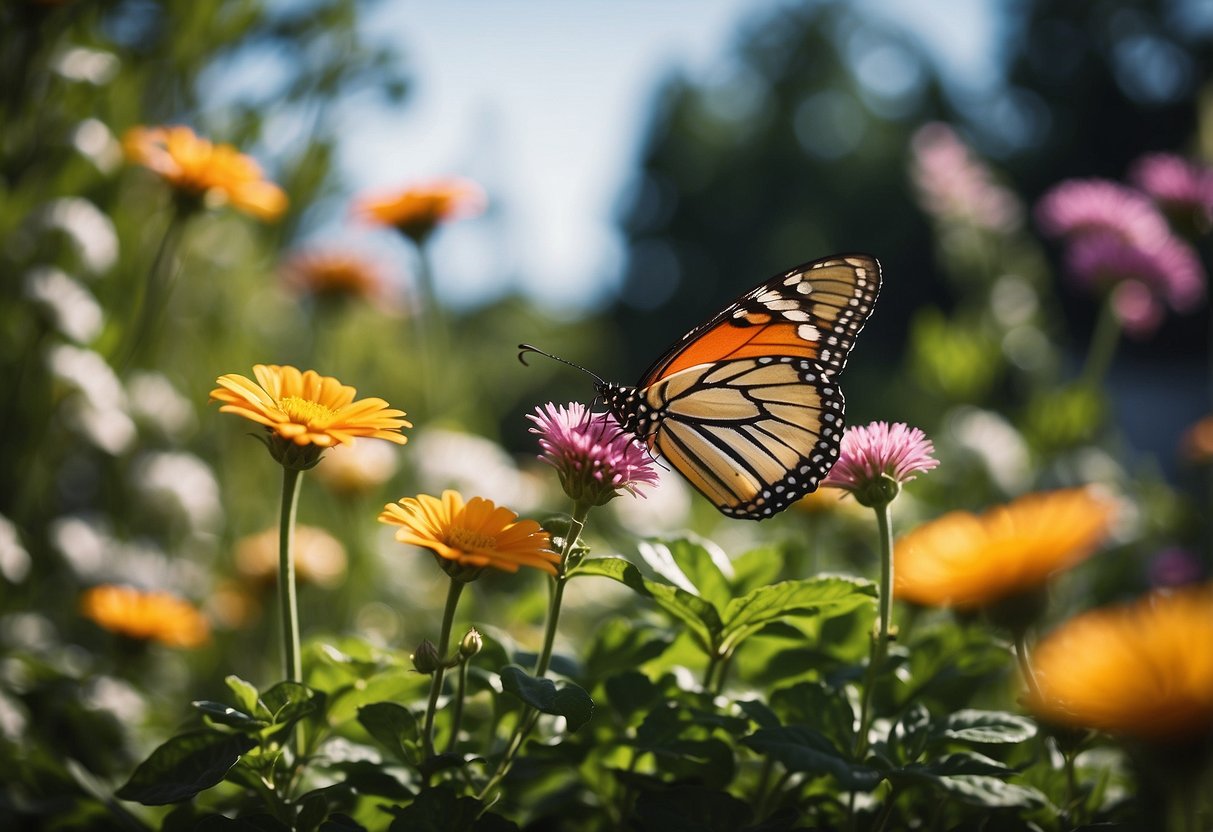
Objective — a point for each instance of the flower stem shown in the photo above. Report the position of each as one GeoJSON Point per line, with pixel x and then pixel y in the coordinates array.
{"type": "Point", "coordinates": [1025, 663]}
{"type": "Point", "coordinates": [529, 715]}
{"type": "Point", "coordinates": [880, 638]}
{"type": "Point", "coordinates": [152, 292]}
{"type": "Point", "coordinates": [288, 601]}
{"type": "Point", "coordinates": [1103, 345]}
{"type": "Point", "coordinates": [444, 642]}
{"type": "Point", "coordinates": [457, 707]}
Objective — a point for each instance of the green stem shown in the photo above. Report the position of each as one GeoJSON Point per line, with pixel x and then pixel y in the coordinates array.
{"type": "Point", "coordinates": [288, 601]}
{"type": "Point", "coordinates": [457, 706]}
{"type": "Point", "coordinates": [1025, 663]}
{"type": "Point", "coordinates": [1103, 345]}
{"type": "Point", "coordinates": [880, 639]}
{"type": "Point", "coordinates": [152, 293]}
{"type": "Point", "coordinates": [444, 642]}
{"type": "Point", "coordinates": [529, 715]}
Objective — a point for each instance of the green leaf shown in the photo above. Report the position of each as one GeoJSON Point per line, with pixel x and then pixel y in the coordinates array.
{"type": "Point", "coordinates": [568, 700]}
{"type": "Point", "coordinates": [287, 702]}
{"type": "Point", "coordinates": [757, 567]}
{"type": "Point", "coordinates": [630, 692]}
{"type": "Point", "coordinates": [803, 749]}
{"type": "Point", "coordinates": [984, 790]}
{"type": "Point", "coordinates": [441, 810]}
{"type": "Point", "coordinates": [814, 703]}
{"type": "Point", "coordinates": [908, 739]}
{"type": "Point", "coordinates": [697, 566]}
{"type": "Point", "coordinates": [246, 693]}
{"type": "Point", "coordinates": [690, 808]}
{"type": "Point", "coordinates": [621, 644]}
{"type": "Point", "coordinates": [225, 715]}
{"type": "Point", "coordinates": [971, 725]}
{"type": "Point", "coordinates": [184, 766]}
{"type": "Point", "coordinates": [826, 596]}
{"type": "Point", "coordinates": [394, 727]}
{"type": "Point", "coordinates": [700, 616]}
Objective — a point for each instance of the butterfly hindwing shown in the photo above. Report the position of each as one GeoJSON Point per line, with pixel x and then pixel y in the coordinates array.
{"type": "Point", "coordinates": [752, 435]}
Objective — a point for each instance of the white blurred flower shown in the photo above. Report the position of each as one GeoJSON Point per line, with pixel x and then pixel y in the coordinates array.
{"type": "Point", "coordinates": [14, 559]}
{"type": "Point", "coordinates": [664, 508]}
{"type": "Point", "coordinates": [95, 555]}
{"type": "Point", "coordinates": [358, 467]}
{"type": "Point", "coordinates": [99, 408]}
{"type": "Point", "coordinates": [994, 441]}
{"type": "Point", "coordinates": [105, 693]}
{"type": "Point", "coordinates": [74, 310]}
{"type": "Point", "coordinates": [473, 465]}
{"type": "Point", "coordinates": [155, 402]}
{"type": "Point", "coordinates": [182, 485]}
{"type": "Point", "coordinates": [96, 143]}
{"type": "Point", "coordinates": [89, 66]}
{"type": "Point", "coordinates": [88, 227]}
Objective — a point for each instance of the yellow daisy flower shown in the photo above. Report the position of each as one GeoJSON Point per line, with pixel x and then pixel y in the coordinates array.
{"type": "Point", "coordinates": [147, 616]}
{"type": "Point", "coordinates": [474, 534]}
{"type": "Point", "coordinates": [969, 561]}
{"type": "Point", "coordinates": [196, 168]}
{"type": "Point", "coordinates": [1144, 669]}
{"type": "Point", "coordinates": [418, 209]}
{"type": "Point", "coordinates": [307, 408]}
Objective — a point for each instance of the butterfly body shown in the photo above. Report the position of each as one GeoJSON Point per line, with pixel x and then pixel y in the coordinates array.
{"type": "Point", "coordinates": [747, 406]}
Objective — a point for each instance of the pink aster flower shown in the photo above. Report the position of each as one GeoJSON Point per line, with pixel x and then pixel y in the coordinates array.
{"type": "Point", "coordinates": [953, 183]}
{"type": "Point", "coordinates": [595, 458]}
{"type": "Point", "coordinates": [875, 460]}
{"type": "Point", "coordinates": [1179, 186]}
{"type": "Point", "coordinates": [1078, 207]}
{"type": "Point", "coordinates": [1144, 279]}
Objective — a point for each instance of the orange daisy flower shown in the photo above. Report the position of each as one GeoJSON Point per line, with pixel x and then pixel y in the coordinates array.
{"type": "Point", "coordinates": [147, 616]}
{"type": "Point", "coordinates": [196, 168]}
{"type": "Point", "coordinates": [333, 274]}
{"type": "Point", "coordinates": [417, 210]}
{"type": "Point", "coordinates": [319, 557]}
{"type": "Point", "coordinates": [306, 407]}
{"type": "Point", "coordinates": [474, 534]}
{"type": "Point", "coordinates": [1144, 669]}
{"type": "Point", "coordinates": [969, 561]}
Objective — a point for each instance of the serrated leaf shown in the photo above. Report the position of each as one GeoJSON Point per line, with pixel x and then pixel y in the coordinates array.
{"type": "Point", "coordinates": [697, 566]}
{"type": "Point", "coordinates": [993, 727]}
{"type": "Point", "coordinates": [803, 749]}
{"type": "Point", "coordinates": [814, 703]}
{"type": "Point", "coordinates": [229, 716]}
{"type": "Point", "coordinates": [245, 692]}
{"type": "Point", "coordinates": [827, 596]}
{"type": "Point", "coordinates": [567, 700]}
{"type": "Point", "coordinates": [700, 616]}
{"type": "Point", "coordinates": [287, 702]}
{"type": "Point", "coordinates": [184, 766]}
{"type": "Point", "coordinates": [394, 727]}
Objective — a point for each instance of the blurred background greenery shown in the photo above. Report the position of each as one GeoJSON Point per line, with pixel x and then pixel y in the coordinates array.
{"type": "Point", "coordinates": [805, 146]}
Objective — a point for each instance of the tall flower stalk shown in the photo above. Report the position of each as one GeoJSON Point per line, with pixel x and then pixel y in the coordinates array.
{"type": "Point", "coordinates": [303, 413]}
{"type": "Point", "coordinates": [873, 463]}
{"type": "Point", "coordinates": [465, 538]}
{"type": "Point", "coordinates": [596, 461]}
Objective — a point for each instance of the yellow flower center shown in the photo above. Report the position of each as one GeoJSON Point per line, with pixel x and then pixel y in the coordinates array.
{"type": "Point", "coordinates": [304, 412]}
{"type": "Point", "coordinates": [461, 538]}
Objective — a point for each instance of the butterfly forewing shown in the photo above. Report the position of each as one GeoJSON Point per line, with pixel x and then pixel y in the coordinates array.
{"type": "Point", "coordinates": [813, 311]}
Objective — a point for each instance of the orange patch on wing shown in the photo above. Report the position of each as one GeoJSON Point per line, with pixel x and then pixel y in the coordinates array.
{"type": "Point", "coordinates": [726, 340]}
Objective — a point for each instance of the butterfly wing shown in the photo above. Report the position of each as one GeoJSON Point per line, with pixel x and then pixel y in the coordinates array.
{"type": "Point", "coordinates": [813, 311]}
{"type": "Point", "coordinates": [753, 435]}
{"type": "Point", "coordinates": [746, 406]}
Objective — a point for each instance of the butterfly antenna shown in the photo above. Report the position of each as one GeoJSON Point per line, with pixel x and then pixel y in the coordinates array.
{"type": "Point", "coordinates": [523, 349]}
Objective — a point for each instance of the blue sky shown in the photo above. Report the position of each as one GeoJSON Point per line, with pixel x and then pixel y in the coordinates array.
{"type": "Point", "coordinates": [544, 102]}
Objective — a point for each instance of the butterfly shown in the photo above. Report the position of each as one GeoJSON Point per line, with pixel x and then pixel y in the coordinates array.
{"type": "Point", "coordinates": [746, 406]}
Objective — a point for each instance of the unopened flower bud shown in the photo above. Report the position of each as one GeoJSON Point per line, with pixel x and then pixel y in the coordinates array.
{"type": "Point", "coordinates": [425, 657]}
{"type": "Point", "coordinates": [472, 643]}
